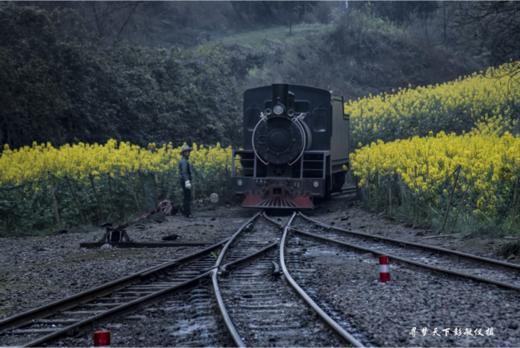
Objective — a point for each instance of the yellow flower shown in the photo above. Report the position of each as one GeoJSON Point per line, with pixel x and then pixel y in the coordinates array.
{"type": "Point", "coordinates": [79, 161]}
{"type": "Point", "coordinates": [452, 106]}
{"type": "Point", "coordinates": [488, 164]}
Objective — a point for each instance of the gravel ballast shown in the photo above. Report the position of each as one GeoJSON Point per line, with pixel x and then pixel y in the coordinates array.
{"type": "Point", "coordinates": [188, 318]}
{"type": "Point", "coordinates": [38, 270]}
{"type": "Point", "coordinates": [388, 313]}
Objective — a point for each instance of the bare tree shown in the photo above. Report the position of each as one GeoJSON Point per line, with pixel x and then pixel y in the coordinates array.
{"type": "Point", "coordinates": [110, 19]}
{"type": "Point", "coordinates": [495, 24]}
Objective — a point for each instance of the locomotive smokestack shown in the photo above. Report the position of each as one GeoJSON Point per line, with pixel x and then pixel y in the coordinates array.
{"type": "Point", "coordinates": [280, 95]}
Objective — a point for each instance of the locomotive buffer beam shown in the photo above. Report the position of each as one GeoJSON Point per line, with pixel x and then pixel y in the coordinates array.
{"type": "Point", "coordinates": [298, 202]}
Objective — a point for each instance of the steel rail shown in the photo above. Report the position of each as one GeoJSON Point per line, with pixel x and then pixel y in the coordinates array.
{"type": "Point", "coordinates": [27, 317]}
{"type": "Point", "coordinates": [129, 306]}
{"type": "Point", "coordinates": [414, 244]}
{"type": "Point", "coordinates": [273, 221]}
{"type": "Point", "coordinates": [116, 310]}
{"type": "Point", "coordinates": [324, 316]}
{"type": "Point", "coordinates": [411, 262]}
{"type": "Point", "coordinates": [216, 289]}
{"type": "Point", "coordinates": [228, 265]}
{"type": "Point", "coordinates": [134, 244]}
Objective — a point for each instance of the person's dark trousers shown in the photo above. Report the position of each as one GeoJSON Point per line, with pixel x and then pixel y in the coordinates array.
{"type": "Point", "coordinates": [187, 202]}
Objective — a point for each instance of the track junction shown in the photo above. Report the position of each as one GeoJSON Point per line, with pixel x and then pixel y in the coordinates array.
{"type": "Point", "coordinates": [259, 287]}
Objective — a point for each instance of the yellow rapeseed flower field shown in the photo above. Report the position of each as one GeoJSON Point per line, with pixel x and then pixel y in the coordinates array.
{"type": "Point", "coordinates": [42, 185]}
{"type": "Point", "coordinates": [410, 163]}
{"type": "Point", "coordinates": [481, 169]}
{"type": "Point", "coordinates": [39, 162]}
{"type": "Point", "coordinates": [454, 106]}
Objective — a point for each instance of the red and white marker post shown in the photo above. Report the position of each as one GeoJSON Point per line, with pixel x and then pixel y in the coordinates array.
{"type": "Point", "coordinates": [384, 269]}
{"type": "Point", "coordinates": [101, 338]}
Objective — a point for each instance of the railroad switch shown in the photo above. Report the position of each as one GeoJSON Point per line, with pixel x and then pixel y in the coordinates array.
{"type": "Point", "coordinates": [115, 235]}
{"type": "Point", "coordinates": [118, 237]}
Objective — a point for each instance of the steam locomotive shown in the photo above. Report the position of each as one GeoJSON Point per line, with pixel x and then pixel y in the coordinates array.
{"type": "Point", "coordinates": [295, 147]}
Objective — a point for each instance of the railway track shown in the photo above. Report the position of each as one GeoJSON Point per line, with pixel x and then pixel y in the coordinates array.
{"type": "Point", "coordinates": [188, 318]}
{"type": "Point", "coordinates": [437, 259]}
{"type": "Point", "coordinates": [71, 315]}
{"type": "Point", "coordinates": [482, 290]}
{"type": "Point", "coordinates": [259, 307]}
{"type": "Point", "coordinates": [254, 288]}
{"type": "Point", "coordinates": [248, 268]}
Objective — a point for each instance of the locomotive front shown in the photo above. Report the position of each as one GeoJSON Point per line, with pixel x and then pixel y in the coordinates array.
{"type": "Point", "coordinates": [279, 137]}
{"type": "Point", "coordinates": [286, 157]}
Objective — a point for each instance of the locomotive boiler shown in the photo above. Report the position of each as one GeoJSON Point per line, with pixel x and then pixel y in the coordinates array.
{"type": "Point", "coordinates": [295, 147]}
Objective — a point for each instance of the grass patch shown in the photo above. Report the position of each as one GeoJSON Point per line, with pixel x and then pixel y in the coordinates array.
{"type": "Point", "coordinates": [279, 35]}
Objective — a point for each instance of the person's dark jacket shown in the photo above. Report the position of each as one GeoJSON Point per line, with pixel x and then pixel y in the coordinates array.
{"type": "Point", "coordinates": [184, 170]}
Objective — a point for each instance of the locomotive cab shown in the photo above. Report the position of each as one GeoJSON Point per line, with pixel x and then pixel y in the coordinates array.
{"type": "Point", "coordinates": [295, 147]}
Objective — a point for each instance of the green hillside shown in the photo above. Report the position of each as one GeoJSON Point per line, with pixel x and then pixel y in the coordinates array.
{"type": "Point", "coordinates": [176, 71]}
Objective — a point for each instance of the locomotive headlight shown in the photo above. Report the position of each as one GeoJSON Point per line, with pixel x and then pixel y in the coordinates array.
{"type": "Point", "coordinates": [267, 111]}
{"type": "Point", "coordinates": [316, 183]}
{"type": "Point", "coordinates": [278, 109]}
{"type": "Point", "coordinates": [240, 182]}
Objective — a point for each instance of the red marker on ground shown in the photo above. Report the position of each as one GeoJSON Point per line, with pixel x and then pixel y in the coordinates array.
{"type": "Point", "coordinates": [384, 269]}
{"type": "Point", "coordinates": [101, 338]}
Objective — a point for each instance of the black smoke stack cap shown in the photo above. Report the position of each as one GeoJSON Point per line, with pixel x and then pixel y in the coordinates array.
{"type": "Point", "coordinates": [280, 92]}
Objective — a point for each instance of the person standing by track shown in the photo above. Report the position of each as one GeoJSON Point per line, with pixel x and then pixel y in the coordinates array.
{"type": "Point", "coordinates": [185, 179]}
